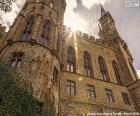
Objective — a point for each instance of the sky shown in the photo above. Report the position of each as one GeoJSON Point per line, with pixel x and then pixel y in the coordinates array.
{"type": "Point", "coordinates": [83, 15]}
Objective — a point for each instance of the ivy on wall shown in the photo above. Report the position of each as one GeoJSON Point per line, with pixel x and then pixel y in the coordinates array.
{"type": "Point", "coordinates": [16, 101]}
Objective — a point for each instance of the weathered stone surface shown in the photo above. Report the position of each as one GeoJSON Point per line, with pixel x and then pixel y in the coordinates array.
{"type": "Point", "coordinates": [36, 69]}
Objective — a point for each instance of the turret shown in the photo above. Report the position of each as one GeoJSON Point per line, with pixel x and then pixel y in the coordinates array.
{"type": "Point", "coordinates": [107, 25]}
{"type": "Point", "coordinates": [32, 47]}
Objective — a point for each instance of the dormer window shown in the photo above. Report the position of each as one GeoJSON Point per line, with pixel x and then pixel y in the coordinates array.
{"type": "Point", "coordinates": [52, 4]}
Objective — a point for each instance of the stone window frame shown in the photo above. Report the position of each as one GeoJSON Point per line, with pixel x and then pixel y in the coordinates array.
{"type": "Point", "coordinates": [109, 94]}
{"type": "Point", "coordinates": [71, 87]}
{"type": "Point", "coordinates": [55, 75]}
{"type": "Point", "coordinates": [117, 72]}
{"type": "Point", "coordinates": [27, 31]}
{"type": "Point", "coordinates": [88, 70]}
{"type": "Point", "coordinates": [126, 98]}
{"type": "Point", "coordinates": [71, 62]}
{"type": "Point", "coordinates": [91, 93]}
{"type": "Point", "coordinates": [45, 32]}
{"type": "Point", "coordinates": [103, 69]}
{"type": "Point", "coordinates": [16, 59]}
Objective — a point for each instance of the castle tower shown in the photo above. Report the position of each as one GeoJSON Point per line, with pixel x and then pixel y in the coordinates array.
{"type": "Point", "coordinates": [109, 33]}
{"type": "Point", "coordinates": [107, 24]}
{"type": "Point", "coordinates": [32, 47]}
{"type": "Point", "coordinates": [128, 73]}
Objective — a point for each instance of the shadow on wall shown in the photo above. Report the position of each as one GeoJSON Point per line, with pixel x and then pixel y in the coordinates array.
{"type": "Point", "coordinates": [16, 100]}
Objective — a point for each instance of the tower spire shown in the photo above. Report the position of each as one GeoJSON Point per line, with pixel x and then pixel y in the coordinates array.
{"type": "Point", "coordinates": [102, 10]}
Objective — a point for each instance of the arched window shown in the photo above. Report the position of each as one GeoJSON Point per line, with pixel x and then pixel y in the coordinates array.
{"type": "Point", "coordinates": [87, 64]}
{"type": "Point", "coordinates": [26, 35]}
{"type": "Point", "coordinates": [71, 59]}
{"type": "Point", "coordinates": [103, 68]}
{"type": "Point", "coordinates": [45, 33]}
{"type": "Point", "coordinates": [58, 42]}
{"type": "Point", "coordinates": [117, 72]}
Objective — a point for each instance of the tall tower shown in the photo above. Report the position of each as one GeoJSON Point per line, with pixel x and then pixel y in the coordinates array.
{"type": "Point", "coordinates": [108, 32]}
{"type": "Point", "coordinates": [32, 47]}
{"type": "Point", "coordinates": [129, 77]}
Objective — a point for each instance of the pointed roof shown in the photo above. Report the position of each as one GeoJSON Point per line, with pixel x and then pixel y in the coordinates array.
{"type": "Point", "coordinates": [102, 10]}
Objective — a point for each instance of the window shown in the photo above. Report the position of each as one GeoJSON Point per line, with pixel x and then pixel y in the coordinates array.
{"type": "Point", "coordinates": [91, 91]}
{"type": "Point", "coordinates": [52, 4]}
{"type": "Point", "coordinates": [109, 95]}
{"type": "Point", "coordinates": [87, 64]}
{"type": "Point", "coordinates": [55, 74]}
{"type": "Point", "coordinates": [71, 87]}
{"type": "Point", "coordinates": [71, 59]}
{"type": "Point", "coordinates": [39, 106]}
{"type": "Point", "coordinates": [26, 36]}
{"type": "Point", "coordinates": [126, 98]}
{"type": "Point", "coordinates": [45, 34]}
{"type": "Point", "coordinates": [58, 42]}
{"type": "Point", "coordinates": [16, 59]}
{"type": "Point", "coordinates": [103, 69]}
{"type": "Point", "coordinates": [116, 71]}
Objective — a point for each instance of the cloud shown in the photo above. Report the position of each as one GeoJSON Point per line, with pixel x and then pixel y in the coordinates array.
{"type": "Point", "coordinates": [138, 72]}
{"type": "Point", "coordinates": [126, 20]}
{"type": "Point", "coordinates": [7, 18]}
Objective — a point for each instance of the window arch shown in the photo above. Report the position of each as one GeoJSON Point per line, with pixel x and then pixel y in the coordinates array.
{"type": "Point", "coordinates": [103, 68]}
{"type": "Point", "coordinates": [116, 71]}
{"type": "Point", "coordinates": [26, 35]}
{"type": "Point", "coordinates": [87, 64]}
{"type": "Point", "coordinates": [45, 33]}
{"type": "Point", "coordinates": [71, 59]}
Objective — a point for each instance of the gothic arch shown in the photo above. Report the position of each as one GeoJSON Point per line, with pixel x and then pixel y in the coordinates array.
{"type": "Point", "coordinates": [28, 26]}
{"type": "Point", "coordinates": [71, 61]}
{"type": "Point", "coordinates": [87, 64]}
{"type": "Point", "coordinates": [103, 68]}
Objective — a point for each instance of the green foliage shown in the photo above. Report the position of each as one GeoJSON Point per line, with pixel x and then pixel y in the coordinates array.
{"type": "Point", "coordinates": [16, 101]}
{"type": "Point", "coordinates": [5, 5]}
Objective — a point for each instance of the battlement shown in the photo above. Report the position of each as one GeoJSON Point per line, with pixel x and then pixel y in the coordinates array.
{"type": "Point", "coordinates": [85, 36]}
{"type": "Point", "coordinates": [2, 29]}
{"type": "Point", "coordinates": [80, 34]}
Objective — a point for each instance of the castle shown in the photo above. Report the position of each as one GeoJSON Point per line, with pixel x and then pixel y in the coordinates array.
{"type": "Point", "coordinates": [81, 74]}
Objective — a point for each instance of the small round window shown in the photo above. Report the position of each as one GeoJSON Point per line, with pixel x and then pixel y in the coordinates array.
{"type": "Point", "coordinates": [51, 4]}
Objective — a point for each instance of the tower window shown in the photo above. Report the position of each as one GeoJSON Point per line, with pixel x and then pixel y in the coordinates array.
{"type": "Point", "coordinates": [87, 64]}
{"type": "Point", "coordinates": [55, 74]}
{"type": "Point", "coordinates": [71, 87]}
{"type": "Point", "coordinates": [91, 91]}
{"type": "Point", "coordinates": [26, 35]}
{"type": "Point", "coordinates": [45, 34]}
{"type": "Point", "coordinates": [126, 98]}
{"type": "Point", "coordinates": [116, 71]}
{"type": "Point", "coordinates": [103, 69]}
{"type": "Point", "coordinates": [52, 4]}
{"type": "Point", "coordinates": [16, 59]}
{"type": "Point", "coordinates": [109, 95]}
{"type": "Point", "coordinates": [71, 59]}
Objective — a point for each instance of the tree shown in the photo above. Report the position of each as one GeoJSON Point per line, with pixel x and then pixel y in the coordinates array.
{"type": "Point", "coordinates": [5, 5]}
{"type": "Point", "coordinates": [16, 100]}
